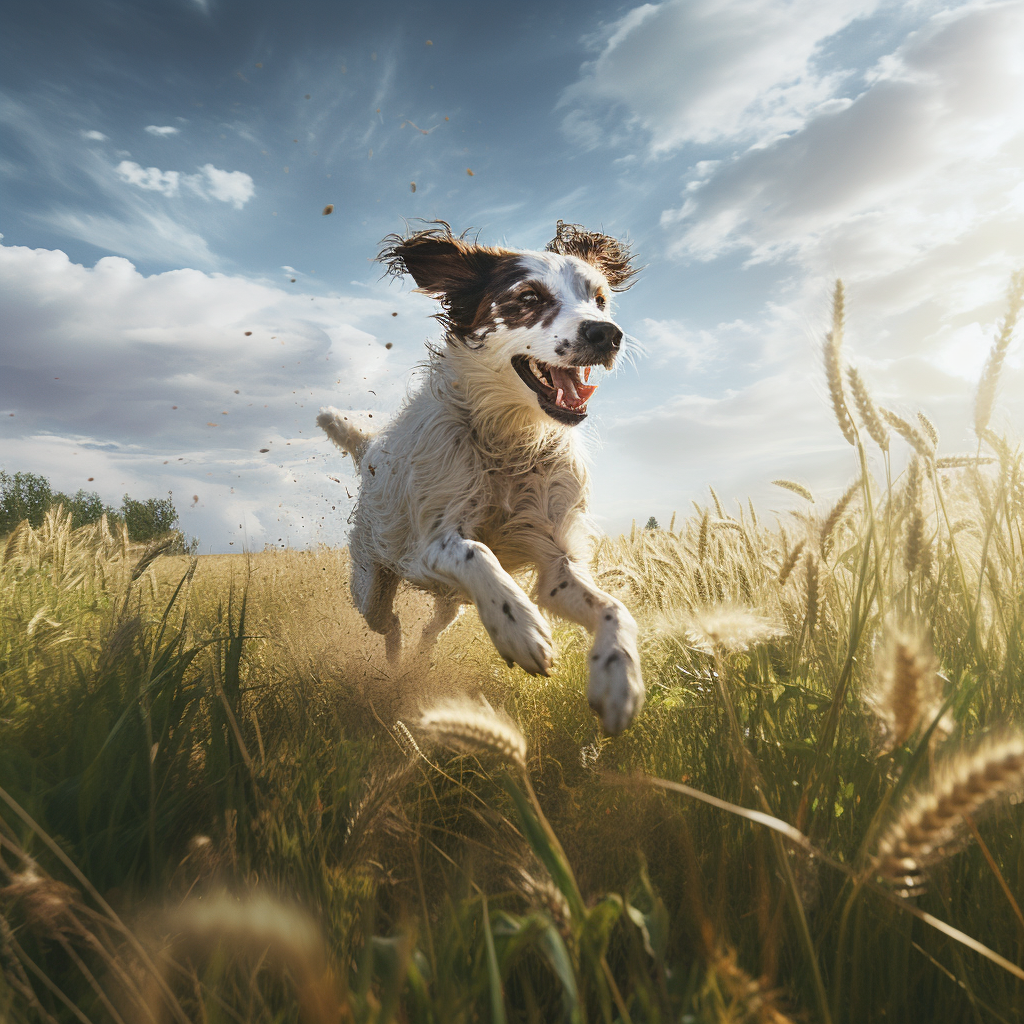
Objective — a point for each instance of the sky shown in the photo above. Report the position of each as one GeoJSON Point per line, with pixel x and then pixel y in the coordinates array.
{"type": "Point", "coordinates": [175, 306]}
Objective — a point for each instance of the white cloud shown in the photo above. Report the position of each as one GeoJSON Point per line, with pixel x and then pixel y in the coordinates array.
{"type": "Point", "coordinates": [913, 189]}
{"type": "Point", "coordinates": [95, 136]}
{"type": "Point", "coordinates": [96, 358]}
{"type": "Point", "coordinates": [163, 130]}
{"type": "Point", "coordinates": [705, 70]}
{"type": "Point", "coordinates": [152, 179]}
{"type": "Point", "coordinates": [235, 187]}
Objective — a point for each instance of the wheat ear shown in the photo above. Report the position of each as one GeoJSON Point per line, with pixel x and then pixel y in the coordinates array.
{"type": "Point", "coordinates": [907, 691]}
{"type": "Point", "coordinates": [910, 434]}
{"type": "Point", "coordinates": [866, 409]}
{"type": "Point", "coordinates": [811, 567]}
{"type": "Point", "coordinates": [792, 485]}
{"type": "Point", "coordinates": [476, 727]}
{"type": "Point", "coordinates": [832, 519]}
{"type": "Point", "coordinates": [834, 364]}
{"type": "Point", "coordinates": [929, 820]}
{"type": "Point", "coordinates": [790, 563]}
{"type": "Point", "coordinates": [994, 364]}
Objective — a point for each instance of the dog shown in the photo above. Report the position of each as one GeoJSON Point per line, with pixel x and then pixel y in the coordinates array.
{"type": "Point", "coordinates": [481, 473]}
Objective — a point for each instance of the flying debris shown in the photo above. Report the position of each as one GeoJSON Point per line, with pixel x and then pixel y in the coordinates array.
{"type": "Point", "coordinates": [412, 186]}
{"type": "Point", "coordinates": [247, 333]}
{"type": "Point", "coordinates": [328, 209]}
{"type": "Point", "coordinates": [469, 172]}
{"type": "Point", "coordinates": [263, 451]}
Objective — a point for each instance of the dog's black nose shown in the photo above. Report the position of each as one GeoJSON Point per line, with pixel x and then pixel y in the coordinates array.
{"type": "Point", "coordinates": [604, 336]}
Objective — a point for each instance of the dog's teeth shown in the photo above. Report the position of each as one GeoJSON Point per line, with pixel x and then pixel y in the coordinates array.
{"type": "Point", "coordinates": [558, 397]}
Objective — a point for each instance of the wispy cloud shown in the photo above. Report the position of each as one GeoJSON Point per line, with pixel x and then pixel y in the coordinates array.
{"type": "Point", "coordinates": [701, 71]}
{"type": "Point", "coordinates": [94, 136]}
{"type": "Point", "coordinates": [162, 130]}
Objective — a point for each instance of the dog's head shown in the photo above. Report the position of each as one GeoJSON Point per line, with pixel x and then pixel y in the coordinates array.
{"type": "Point", "coordinates": [536, 321]}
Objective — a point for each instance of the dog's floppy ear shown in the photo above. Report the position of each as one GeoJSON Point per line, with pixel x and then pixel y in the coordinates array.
{"type": "Point", "coordinates": [440, 263]}
{"type": "Point", "coordinates": [612, 257]}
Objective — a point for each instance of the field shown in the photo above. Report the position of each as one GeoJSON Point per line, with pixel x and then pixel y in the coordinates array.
{"type": "Point", "coordinates": [219, 803]}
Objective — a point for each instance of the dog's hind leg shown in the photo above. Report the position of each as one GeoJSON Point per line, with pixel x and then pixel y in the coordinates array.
{"type": "Point", "coordinates": [375, 596]}
{"type": "Point", "coordinates": [446, 610]}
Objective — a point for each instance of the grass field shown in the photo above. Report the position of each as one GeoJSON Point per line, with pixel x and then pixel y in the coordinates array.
{"type": "Point", "coordinates": [220, 804]}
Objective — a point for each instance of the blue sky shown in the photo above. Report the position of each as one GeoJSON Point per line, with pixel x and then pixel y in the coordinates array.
{"type": "Point", "coordinates": [164, 166]}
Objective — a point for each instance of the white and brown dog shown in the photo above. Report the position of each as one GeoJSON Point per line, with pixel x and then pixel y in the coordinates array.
{"type": "Point", "coordinates": [480, 474]}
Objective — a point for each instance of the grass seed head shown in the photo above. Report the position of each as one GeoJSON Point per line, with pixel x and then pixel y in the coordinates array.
{"type": "Point", "coordinates": [730, 628]}
{"type": "Point", "coordinates": [475, 727]}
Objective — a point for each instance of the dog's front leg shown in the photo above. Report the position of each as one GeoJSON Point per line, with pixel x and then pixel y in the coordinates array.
{"type": "Point", "coordinates": [616, 688]}
{"type": "Point", "coordinates": [516, 628]}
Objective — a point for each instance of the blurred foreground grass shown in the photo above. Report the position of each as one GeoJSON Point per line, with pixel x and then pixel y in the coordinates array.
{"type": "Point", "coordinates": [218, 802]}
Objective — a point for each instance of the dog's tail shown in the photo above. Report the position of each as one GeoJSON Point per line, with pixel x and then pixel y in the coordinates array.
{"type": "Point", "coordinates": [350, 431]}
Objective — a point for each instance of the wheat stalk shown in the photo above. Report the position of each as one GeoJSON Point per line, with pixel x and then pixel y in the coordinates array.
{"type": "Point", "coordinates": [994, 364]}
{"type": "Point", "coordinates": [929, 820]}
{"type": "Point", "coordinates": [475, 727]}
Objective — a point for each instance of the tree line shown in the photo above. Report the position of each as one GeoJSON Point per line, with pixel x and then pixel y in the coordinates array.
{"type": "Point", "coordinates": [30, 496]}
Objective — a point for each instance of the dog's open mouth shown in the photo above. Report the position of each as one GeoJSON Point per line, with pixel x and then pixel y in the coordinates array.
{"type": "Point", "coordinates": [561, 391]}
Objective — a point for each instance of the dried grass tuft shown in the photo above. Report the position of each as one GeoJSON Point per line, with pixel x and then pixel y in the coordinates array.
{"type": "Point", "coordinates": [928, 825]}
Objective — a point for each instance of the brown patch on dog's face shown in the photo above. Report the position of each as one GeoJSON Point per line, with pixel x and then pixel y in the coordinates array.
{"type": "Point", "coordinates": [512, 302]}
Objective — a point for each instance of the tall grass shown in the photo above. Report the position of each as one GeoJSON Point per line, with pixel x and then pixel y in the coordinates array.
{"type": "Point", "coordinates": [219, 803]}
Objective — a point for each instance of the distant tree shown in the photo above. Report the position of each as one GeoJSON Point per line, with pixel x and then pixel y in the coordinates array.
{"type": "Point", "coordinates": [23, 496]}
{"type": "Point", "coordinates": [652, 524]}
{"type": "Point", "coordinates": [29, 496]}
{"type": "Point", "coordinates": [148, 519]}
{"type": "Point", "coordinates": [85, 507]}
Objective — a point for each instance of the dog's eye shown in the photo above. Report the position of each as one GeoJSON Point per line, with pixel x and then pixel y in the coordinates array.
{"type": "Point", "coordinates": [601, 301]}
{"type": "Point", "coordinates": [529, 298]}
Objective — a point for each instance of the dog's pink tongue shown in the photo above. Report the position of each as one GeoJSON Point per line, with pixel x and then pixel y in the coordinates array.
{"type": "Point", "coordinates": [567, 384]}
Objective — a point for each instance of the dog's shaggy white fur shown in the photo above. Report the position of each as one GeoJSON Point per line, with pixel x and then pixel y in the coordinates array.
{"type": "Point", "coordinates": [480, 474]}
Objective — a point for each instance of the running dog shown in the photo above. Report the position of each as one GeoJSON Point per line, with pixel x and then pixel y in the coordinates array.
{"type": "Point", "coordinates": [481, 474]}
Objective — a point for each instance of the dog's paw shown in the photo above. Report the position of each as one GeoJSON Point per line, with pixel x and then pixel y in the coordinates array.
{"type": "Point", "coordinates": [616, 688]}
{"type": "Point", "coordinates": [520, 633]}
